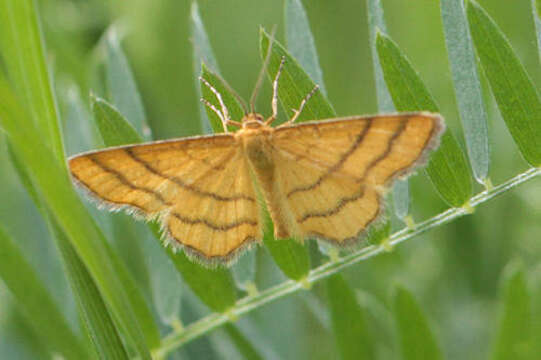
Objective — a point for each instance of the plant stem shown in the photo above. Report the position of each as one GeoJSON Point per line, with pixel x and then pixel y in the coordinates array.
{"type": "Point", "coordinates": [249, 303]}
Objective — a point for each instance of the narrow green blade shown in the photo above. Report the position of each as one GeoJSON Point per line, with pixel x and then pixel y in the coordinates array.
{"type": "Point", "coordinates": [244, 346]}
{"type": "Point", "coordinates": [515, 337]}
{"type": "Point", "coordinates": [467, 86]}
{"type": "Point", "coordinates": [447, 168]}
{"type": "Point", "coordinates": [536, 9]}
{"type": "Point", "coordinates": [416, 338]}
{"type": "Point", "coordinates": [348, 321]}
{"type": "Point", "coordinates": [234, 107]}
{"type": "Point", "coordinates": [23, 51]}
{"type": "Point", "coordinates": [115, 130]}
{"type": "Point", "coordinates": [122, 86]}
{"type": "Point", "coordinates": [55, 186]}
{"type": "Point", "coordinates": [95, 316]}
{"type": "Point", "coordinates": [202, 54]}
{"type": "Point", "coordinates": [514, 91]}
{"type": "Point", "coordinates": [294, 83]}
{"type": "Point", "coordinates": [215, 287]}
{"type": "Point", "coordinates": [300, 41]}
{"type": "Point", "coordinates": [35, 302]}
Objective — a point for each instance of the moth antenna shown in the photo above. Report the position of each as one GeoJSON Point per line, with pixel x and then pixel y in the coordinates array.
{"type": "Point", "coordinates": [235, 94]}
{"type": "Point", "coordinates": [259, 81]}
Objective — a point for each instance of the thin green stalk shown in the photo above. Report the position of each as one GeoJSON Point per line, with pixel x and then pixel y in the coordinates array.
{"type": "Point", "coordinates": [249, 303]}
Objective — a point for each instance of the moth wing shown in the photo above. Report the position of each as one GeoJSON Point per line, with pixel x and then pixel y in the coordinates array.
{"type": "Point", "coordinates": [199, 188]}
{"type": "Point", "coordinates": [333, 173]}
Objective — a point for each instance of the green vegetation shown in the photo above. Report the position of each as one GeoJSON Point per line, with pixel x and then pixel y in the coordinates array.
{"type": "Point", "coordinates": [85, 283]}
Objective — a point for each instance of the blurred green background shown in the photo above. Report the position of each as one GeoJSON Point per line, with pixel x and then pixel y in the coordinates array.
{"type": "Point", "coordinates": [455, 272]}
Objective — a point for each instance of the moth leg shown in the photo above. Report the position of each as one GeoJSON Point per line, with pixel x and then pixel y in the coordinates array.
{"type": "Point", "coordinates": [303, 103]}
{"type": "Point", "coordinates": [275, 93]}
{"type": "Point", "coordinates": [225, 118]}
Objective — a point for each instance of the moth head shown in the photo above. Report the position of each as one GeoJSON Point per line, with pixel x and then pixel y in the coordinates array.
{"type": "Point", "coordinates": [253, 121]}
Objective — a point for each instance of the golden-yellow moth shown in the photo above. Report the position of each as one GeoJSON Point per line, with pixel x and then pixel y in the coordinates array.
{"type": "Point", "coordinates": [319, 179]}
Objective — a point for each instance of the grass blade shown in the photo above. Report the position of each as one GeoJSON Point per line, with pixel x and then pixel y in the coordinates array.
{"type": "Point", "coordinates": [300, 41]}
{"type": "Point", "coordinates": [95, 316]}
{"type": "Point", "coordinates": [376, 22]}
{"type": "Point", "coordinates": [513, 90]}
{"type": "Point", "coordinates": [202, 54]}
{"type": "Point", "coordinates": [55, 186]}
{"type": "Point", "coordinates": [348, 320]}
{"type": "Point", "coordinates": [115, 130]}
{"type": "Point", "coordinates": [23, 51]}
{"type": "Point", "coordinates": [447, 168]}
{"type": "Point", "coordinates": [467, 86]}
{"type": "Point", "coordinates": [536, 8]}
{"type": "Point", "coordinates": [35, 302]}
{"type": "Point", "coordinates": [294, 83]}
{"type": "Point", "coordinates": [122, 86]}
{"type": "Point", "coordinates": [214, 287]}
{"type": "Point", "coordinates": [242, 344]}
{"type": "Point", "coordinates": [417, 340]}
{"type": "Point", "coordinates": [514, 339]}
{"type": "Point", "coordinates": [234, 107]}
{"type": "Point", "coordinates": [244, 271]}
{"type": "Point", "coordinates": [291, 256]}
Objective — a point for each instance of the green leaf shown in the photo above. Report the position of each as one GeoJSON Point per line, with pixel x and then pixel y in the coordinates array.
{"type": "Point", "coordinates": [234, 107]}
{"type": "Point", "coordinates": [95, 316]}
{"type": "Point", "coordinates": [513, 90]}
{"type": "Point", "coordinates": [122, 86]}
{"type": "Point", "coordinates": [290, 255]}
{"type": "Point", "coordinates": [244, 270]}
{"type": "Point", "coordinates": [300, 41]}
{"type": "Point", "coordinates": [53, 183]}
{"type": "Point", "coordinates": [401, 198]}
{"type": "Point", "coordinates": [242, 343]}
{"type": "Point", "coordinates": [376, 22]}
{"type": "Point", "coordinates": [202, 54]}
{"type": "Point", "coordinates": [348, 321]}
{"type": "Point", "coordinates": [416, 338]}
{"type": "Point", "coordinates": [447, 168]}
{"type": "Point", "coordinates": [514, 339]}
{"type": "Point", "coordinates": [166, 283]}
{"type": "Point", "coordinates": [23, 52]}
{"type": "Point", "coordinates": [115, 130]}
{"type": "Point", "coordinates": [467, 86]}
{"type": "Point", "coordinates": [214, 287]}
{"type": "Point", "coordinates": [536, 9]}
{"type": "Point", "coordinates": [35, 302]}
{"type": "Point", "coordinates": [294, 83]}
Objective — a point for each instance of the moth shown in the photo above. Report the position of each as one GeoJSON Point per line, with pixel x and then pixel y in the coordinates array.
{"type": "Point", "coordinates": [319, 179]}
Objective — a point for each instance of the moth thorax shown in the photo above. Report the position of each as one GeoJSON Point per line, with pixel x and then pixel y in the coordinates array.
{"type": "Point", "coordinates": [259, 151]}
